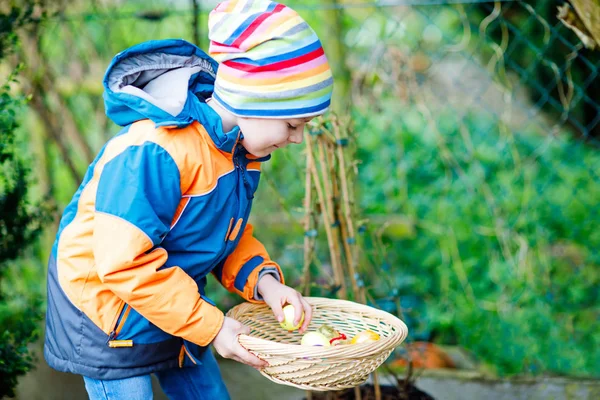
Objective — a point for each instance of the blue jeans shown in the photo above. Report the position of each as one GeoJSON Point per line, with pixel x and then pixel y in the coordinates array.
{"type": "Point", "coordinates": [202, 382]}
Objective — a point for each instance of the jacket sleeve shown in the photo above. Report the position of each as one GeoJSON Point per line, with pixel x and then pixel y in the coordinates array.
{"type": "Point", "coordinates": [137, 198]}
{"type": "Point", "coordinates": [241, 271]}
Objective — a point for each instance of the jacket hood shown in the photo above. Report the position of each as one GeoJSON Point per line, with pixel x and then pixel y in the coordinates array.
{"type": "Point", "coordinates": [166, 81]}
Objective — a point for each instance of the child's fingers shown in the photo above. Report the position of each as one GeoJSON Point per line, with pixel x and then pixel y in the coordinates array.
{"type": "Point", "coordinates": [295, 301]}
{"type": "Point", "coordinates": [236, 358]}
{"type": "Point", "coordinates": [245, 330]}
{"type": "Point", "coordinates": [277, 311]}
{"type": "Point", "coordinates": [307, 315]}
{"type": "Point", "coordinates": [248, 358]}
{"type": "Point", "coordinates": [239, 328]}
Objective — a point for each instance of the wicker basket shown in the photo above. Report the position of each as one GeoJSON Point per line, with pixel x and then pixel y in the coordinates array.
{"type": "Point", "coordinates": [320, 368]}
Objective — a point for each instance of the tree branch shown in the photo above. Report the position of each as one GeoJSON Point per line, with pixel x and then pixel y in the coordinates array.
{"type": "Point", "coordinates": [196, 22]}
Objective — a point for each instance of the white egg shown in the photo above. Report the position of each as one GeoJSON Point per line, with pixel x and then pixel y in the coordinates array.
{"type": "Point", "coordinates": [314, 339]}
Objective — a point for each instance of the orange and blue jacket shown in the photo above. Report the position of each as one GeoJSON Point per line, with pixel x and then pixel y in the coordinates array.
{"type": "Point", "coordinates": [165, 203]}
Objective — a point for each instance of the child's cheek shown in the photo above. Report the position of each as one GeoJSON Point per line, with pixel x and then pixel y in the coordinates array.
{"type": "Point", "coordinates": [254, 146]}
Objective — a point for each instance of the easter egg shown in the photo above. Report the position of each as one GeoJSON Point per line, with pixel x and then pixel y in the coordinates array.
{"type": "Point", "coordinates": [334, 336]}
{"type": "Point", "coordinates": [328, 331]}
{"type": "Point", "coordinates": [288, 318]}
{"type": "Point", "coordinates": [314, 339]}
{"type": "Point", "coordinates": [365, 337]}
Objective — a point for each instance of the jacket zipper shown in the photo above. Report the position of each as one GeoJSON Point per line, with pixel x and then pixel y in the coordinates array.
{"type": "Point", "coordinates": [247, 186]}
{"type": "Point", "coordinates": [117, 325]}
{"type": "Point", "coordinates": [241, 172]}
{"type": "Point", "coordinates": [115, 321]}
{"type": "Point", "coordinates": [237, 167]}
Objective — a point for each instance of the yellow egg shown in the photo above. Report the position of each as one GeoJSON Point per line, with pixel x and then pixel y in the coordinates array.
{"type": "Point", "coordinates": [288, 320]}
{"type": "Point", "coordinates": [314, 339]}
{"type": "Point", "coordinates": [365, 337]}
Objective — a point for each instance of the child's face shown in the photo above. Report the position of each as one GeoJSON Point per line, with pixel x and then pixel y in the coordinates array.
{"type": "Point", "coordinates": [262, 136]}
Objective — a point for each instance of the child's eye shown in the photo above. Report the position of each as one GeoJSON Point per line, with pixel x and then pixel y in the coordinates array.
{"type": "Point", "coordinates": [292, 126]}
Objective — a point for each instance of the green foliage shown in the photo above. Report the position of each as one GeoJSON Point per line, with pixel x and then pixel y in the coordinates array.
{"type": "Point", "coordinates": [20, 324]}
{"type": "Point", "coordinates": [11, 18]}
{"type": "Point", "coordinates": [500, 249]}
{"type": "Point", "coordinates": [20, 223]}
{"type": "Point", "coordinates": [19, 226]}
{"type": "Point", "coordinates": [17, 220]}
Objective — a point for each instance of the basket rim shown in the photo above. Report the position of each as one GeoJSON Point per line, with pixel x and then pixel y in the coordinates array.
{"type": "Point", "coordinates": [341, 352]}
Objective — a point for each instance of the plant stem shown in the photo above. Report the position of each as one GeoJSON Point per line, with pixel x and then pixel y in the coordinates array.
{"type": "Point", "coordinates": [347, 228]}
{"type": "Point", "coordinates": [308, 216]}
{"type": "Point", "coordinates": [330, 210]}
{"type": "Point", "coordinates": [339, 279]}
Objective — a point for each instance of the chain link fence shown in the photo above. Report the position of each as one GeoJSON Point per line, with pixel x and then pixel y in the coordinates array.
{"type": "Point", "coordinates": [476, 128]}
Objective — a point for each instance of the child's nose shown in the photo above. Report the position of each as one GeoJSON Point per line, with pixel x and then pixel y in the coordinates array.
{"type": "Point", "coordinates": [298, 135]}
{"type": "Point", "coordinates": [297, 138]}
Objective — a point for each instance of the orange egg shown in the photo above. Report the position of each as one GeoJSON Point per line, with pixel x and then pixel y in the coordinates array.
{"type": "Point", "coordinates": [367, 336]}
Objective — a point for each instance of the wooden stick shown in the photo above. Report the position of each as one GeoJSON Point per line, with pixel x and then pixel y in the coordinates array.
{"type": "Point", "coordinates": [333, 197]}
{"type": "Point", "coordinates": [308, 212]}
{"type": "Point", "coordinates": [347, 229]}
{"type": "Point", "coordinates": [326, 183]}
{"type": "Point", "coordinates": [339, 280]}
{"type": "Point", "coordinates": [329, 210]}
{"type": "Point", "coordinates": [349, 225]}
{"type": "Point", "coordinates": [195, 23]}
{"type": "Point", "coordinates": [376, 385]}
{"type": "Point", "coordinates": [348, 252]}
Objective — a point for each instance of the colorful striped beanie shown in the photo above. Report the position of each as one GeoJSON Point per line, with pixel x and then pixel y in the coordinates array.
{"type": "Point", "coordinates": [272, 64]}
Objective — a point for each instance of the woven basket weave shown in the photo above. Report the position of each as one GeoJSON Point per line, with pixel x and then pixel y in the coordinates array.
{"type": "Point", "coordinates": [320, 368]}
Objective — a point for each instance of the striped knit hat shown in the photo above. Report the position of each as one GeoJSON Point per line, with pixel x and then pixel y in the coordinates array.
{"type": "Point", "coordinates": [272, 64]}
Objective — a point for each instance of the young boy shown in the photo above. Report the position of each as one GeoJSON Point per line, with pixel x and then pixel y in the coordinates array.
{"type": "Point", "coordinates": [167, 201]}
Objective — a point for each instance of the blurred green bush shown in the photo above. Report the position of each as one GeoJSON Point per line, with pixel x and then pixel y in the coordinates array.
{"type": "Point", "coordinates": [20, 311]}
{"type": "Point", "coordinates": [20, 224]}
{"type": "Point", "coordinates": [499, 248]}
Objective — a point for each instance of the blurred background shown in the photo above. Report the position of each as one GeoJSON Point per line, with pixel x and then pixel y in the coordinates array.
{"type": "Point", "coordinates": [471, 134]}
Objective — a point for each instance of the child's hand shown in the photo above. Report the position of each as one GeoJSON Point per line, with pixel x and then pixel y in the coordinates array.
{"type": "Point", "coordinates": [276, 295]}
{"type": "Point", "coordinates": [227, 345]}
